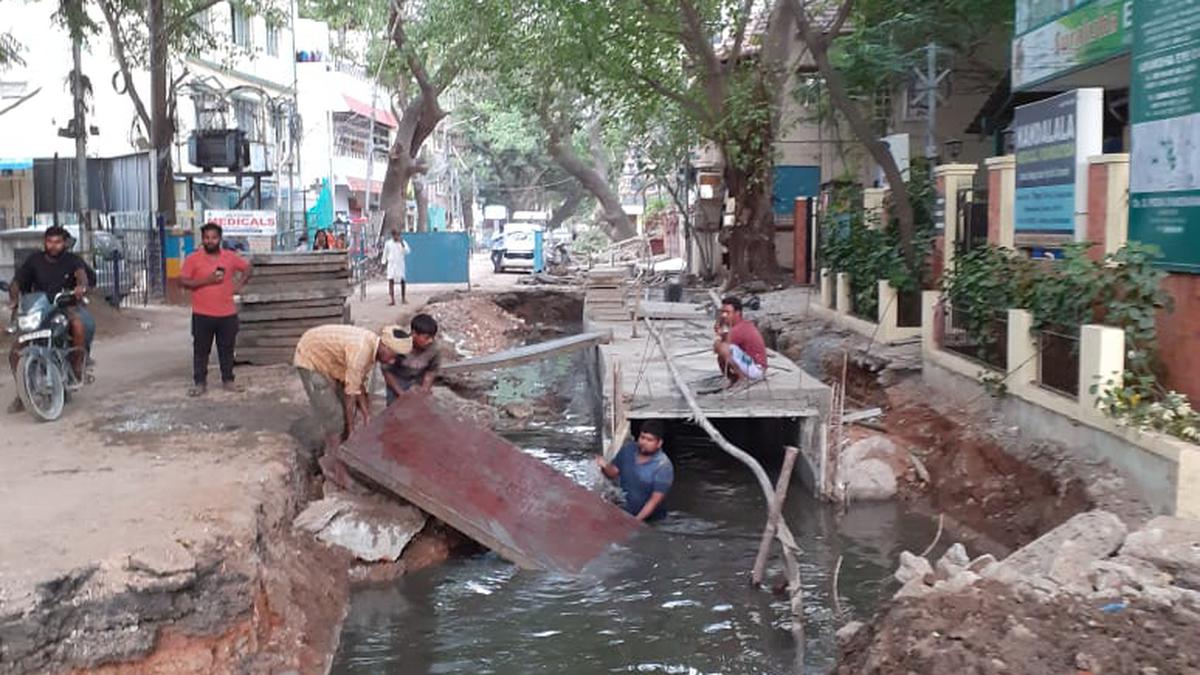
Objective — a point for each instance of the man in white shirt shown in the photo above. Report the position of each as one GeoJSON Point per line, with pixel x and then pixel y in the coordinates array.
{"type": "Point", "coordinates": [394, 252]}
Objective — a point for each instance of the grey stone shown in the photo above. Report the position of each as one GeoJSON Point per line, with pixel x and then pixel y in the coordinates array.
{"type": "Point", "coordinates": [165, 559]}
{"type": "Point", "coordinates": [913, 588]}
{"type": "Point", "coordinates": [912, 567]}
{"type": "Point", "coordinates": [982, 564]}
{"type": "Point", "coordinates": [952, 562]}
{"type": "Point", "coordinates": [1121, 570]}
{"type": "Point", "coordinates": [371, 527]}
{"type": "Point", "coordinates": [870, 480]}
{"type": "Point", "coordinates": [846, 633]}
{"type": "Point", "coordinates": [958, 582]}
{"type": "Point", "coordinates": [1171, 544]}
{"type": "Point", "coordinates": [1067, 548]}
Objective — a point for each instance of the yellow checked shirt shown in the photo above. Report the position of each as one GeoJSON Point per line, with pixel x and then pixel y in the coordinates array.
{"type": "Point", "coordinates": [341, 353]}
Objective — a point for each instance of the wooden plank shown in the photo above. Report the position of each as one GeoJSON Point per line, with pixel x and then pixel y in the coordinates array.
{"type": "Point", "coordinates": [249, 341]}
{"type": "Point", "coordinates": [273, 294]}
{"type": "Point", "coordinates": [291, 304]}
{"type": "Point", "coordinates": [274, 272]}
{"type": "Point", "coordinates": [306, 258]}
{"type": "Point", "coordinates": [265, 355]}
{"type": "Point", "coordinates": [334, 314]}
{"type": "Point", "coordinates": [485, 487]}
{"type": "Point", "coordinates": [529, 353]}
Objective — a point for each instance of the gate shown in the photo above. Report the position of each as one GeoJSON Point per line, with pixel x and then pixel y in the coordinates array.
{"type": "Point", "coordinates": [128, 260]}
{"type": "Point", "coordinates": [972, 220]}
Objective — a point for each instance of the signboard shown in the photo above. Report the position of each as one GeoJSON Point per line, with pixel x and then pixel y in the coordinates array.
{"type": "Point", "coordinates": [1048, 45]}
{"type": "Point", "coordinates": [1164, 184]}
{"type": "Point", "coordinates": [244, 223]}
{"type": "Point", "coordinates": [1054, 139]}
{"type": "Point", "coordinates": [495, 212]}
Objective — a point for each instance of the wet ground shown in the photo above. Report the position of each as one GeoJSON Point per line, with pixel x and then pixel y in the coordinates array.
{"type": "Point", "coordinates": [676, 601]}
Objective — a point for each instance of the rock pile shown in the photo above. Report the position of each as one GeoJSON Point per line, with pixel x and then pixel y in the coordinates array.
{"type": "Point", "coordinates": [1091, 556]}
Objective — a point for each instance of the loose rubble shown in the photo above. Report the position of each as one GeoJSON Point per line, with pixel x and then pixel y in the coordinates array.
{"type": "Point", "coordinates": [1087, 595]}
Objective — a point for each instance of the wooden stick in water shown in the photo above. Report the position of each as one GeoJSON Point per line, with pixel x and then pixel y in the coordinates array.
{"type": "Point", "coordinates": [781, 486]}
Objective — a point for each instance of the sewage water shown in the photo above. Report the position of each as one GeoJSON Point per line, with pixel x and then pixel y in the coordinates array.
{"type": "Point", "coordinates": [676, 600]}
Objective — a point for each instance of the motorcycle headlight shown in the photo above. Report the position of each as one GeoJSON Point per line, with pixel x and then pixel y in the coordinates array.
{"type": "Point", "coordinates": [29, 321]}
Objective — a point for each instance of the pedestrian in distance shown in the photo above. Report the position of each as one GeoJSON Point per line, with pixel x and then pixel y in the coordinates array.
{"type": "Point", "coordinates": [395, 252]}
{"type": "Point", "coordinates": [644, 472]}
{"type": "Point", "coordinates": [213, 274]}
{"type": "Point", "coordinates": [321, 241]}
{"type": "Point", "coordinates": [302, 244]}
{"type": "Point", "coordinates": [498, 248]}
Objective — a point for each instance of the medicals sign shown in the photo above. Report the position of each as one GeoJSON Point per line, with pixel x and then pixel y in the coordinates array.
{"type": "Point", "coordinates": [1164, 176]}
{"type": "Point", "coordinates": [244, 223]}
{"type": "Point", "coordinates": [1054, 139]}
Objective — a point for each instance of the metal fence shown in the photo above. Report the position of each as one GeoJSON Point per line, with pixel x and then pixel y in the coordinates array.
{"type": "Point", "coordinates": [908, 309]}
{"type": "Point", "coordinates": [1058, 362]}
{"type": "Point", "coordinates": [991, 350]}
{"type": "Point", "coordinates": [128, 259]}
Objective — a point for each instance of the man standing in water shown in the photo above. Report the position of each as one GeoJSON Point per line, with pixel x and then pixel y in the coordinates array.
{"type": "Point", "coordinates": [644, 471]}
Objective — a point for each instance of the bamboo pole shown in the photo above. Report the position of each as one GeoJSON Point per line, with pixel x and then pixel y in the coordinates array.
{"type": "Point", "coordinates": [781, 486]}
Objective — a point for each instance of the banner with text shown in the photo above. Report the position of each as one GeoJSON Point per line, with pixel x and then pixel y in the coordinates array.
{"type": "Point", "coordinates": [244, 223]}
{"type": "Point", "coordinates": [1164, 184]}
{"type": "Point", "coordinates": [1090, 32]}
{"type": "Point", "coordinates": [1054, 139]}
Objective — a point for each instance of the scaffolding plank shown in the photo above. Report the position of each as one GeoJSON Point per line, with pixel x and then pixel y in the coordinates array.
{"type": "Point", "coordinates": [529, 353]}
{"type": "Point", "coordinates": [485, 487]}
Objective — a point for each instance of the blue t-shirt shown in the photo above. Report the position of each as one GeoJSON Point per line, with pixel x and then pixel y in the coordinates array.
{"type": "Point", "coordinates": [641, 480]}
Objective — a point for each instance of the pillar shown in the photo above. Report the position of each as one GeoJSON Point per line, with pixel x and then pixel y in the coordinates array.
{"type": "Point", "coordinates": [1101, 358]}
{"type": "Point", "coordinates": [949, 179]}
{"type": "Point", "coordinates": [1002, 200]}
{"type": "Point", "coordinates": [1108, 203]}
{"type": "Point", "coordinates": [1022, 349]}
{"type": "Point", "coordinates": [825, 284]}
{"type": "Point", "coordinates": [887, 313]}
{"type": "Point", "coordinates": [873, 199]}
{"type": "Point", "coordinates": [800, 241]}
{"type": "Point", "coordinates": [843, 293]}
{"type": "Point", "coordinates": [931, 320]}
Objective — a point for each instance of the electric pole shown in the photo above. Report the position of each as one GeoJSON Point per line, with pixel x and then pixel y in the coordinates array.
{"type": "Point", "coordinates": [80, 132]}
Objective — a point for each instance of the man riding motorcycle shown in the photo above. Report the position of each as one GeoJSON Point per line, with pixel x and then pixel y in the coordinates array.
{"type": "Point", "coordinates": [49, 272]}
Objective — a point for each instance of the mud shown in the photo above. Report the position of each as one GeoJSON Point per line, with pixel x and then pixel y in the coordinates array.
{"type": "Point", "coordinates": [989, 629]}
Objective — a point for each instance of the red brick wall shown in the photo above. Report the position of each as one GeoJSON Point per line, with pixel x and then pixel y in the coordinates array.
{"type": "Point", "coordinates": [800, 242]}
{"type": "Point", "coordinates": [993, 207]}
{"type": "Point", "coordinates": [1179, 335]}
{"type": "Point", "coordinates": [1097, 206]}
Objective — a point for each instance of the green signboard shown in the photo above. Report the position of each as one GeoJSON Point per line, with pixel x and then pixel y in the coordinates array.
{"type": "Point", "coordinates": [1087, 32]}
{"type": "Point", "coordinates": [1164, 184]}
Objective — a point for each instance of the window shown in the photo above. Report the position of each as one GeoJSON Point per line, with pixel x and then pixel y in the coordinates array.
{"type": "Point", "coordinates": [241, 28]}
{"type": "Point", "coordinates": [272, 39]}
{"type": "Point", "coordinates": [246, 113]}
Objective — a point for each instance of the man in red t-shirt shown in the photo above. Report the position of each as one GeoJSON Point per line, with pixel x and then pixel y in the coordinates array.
{"type": "Point", "coordinates": [214, 275]}
{"type": "Point", "coordinates": [741, 352]}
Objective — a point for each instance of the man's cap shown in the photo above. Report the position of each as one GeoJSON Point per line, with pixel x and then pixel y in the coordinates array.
{"type": "Point", "coordinates": [397, 339]}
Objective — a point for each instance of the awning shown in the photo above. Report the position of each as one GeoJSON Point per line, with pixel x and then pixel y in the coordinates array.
{"type": "Point", "coordinates": [360, 184]}
{"type": "Point", "coordinates": [16, 163]}
{"type": "Point", "coordinates": [382, 115]}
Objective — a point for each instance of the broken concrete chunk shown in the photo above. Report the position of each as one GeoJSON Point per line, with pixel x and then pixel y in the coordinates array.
{"type": "Point", "coordinates": [1121, 570]}
{"type": "Point", "coordinates": [982, 564]}
{"type": "Point", "coordinates": [870, 480]}
{"type": "Point", "coordinates": [956, 555]}
{"type": "Point", "coordinates": [372, 527]}
{"type": "Point", "coordinates": [912, 567]}
{"type": "Point", "coordinates": [846, 633]}
{"type": "Point", "coordinates": [1171, 544]}
{"type": "Point", "coordinates": [957, 583]}
{"type": "Point", "coordinates": [914, 588]}
{"type": "Point", "coordinates": [163, 560]}
{"type": "Point", "coordinates": [1071, 547]}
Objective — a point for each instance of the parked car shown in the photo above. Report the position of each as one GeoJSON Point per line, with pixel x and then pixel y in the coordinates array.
{"type": "Point", "coordinates": [519, 245]}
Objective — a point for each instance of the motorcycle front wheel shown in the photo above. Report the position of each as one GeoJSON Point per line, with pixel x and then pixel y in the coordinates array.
{"type": "Point", "coordinates": [40, 385]}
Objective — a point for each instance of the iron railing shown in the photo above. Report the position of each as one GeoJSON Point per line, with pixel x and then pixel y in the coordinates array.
{"type": "Point", "coordinates": [1058, 362]}
{"type": "Point", "coordinates": [990, 349]}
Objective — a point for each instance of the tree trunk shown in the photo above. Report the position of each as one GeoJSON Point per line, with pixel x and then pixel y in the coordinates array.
{"type": "Point", "coordinates": [565, 210]}
{"type": "Point", "coordinates": [421, 197]}
{"type": "Point", "coordinates": [751, 240]}
{"type": "Point", "coordinates": [818, 45]}
{"type": "Point", "coordinates": [620, 227]}
{"type": "Point", "coordinates": [81, 134]}
{"type": "Point", "coordinates": [393, 197]}
{"type": "Point", "coordinates": [162, 131]}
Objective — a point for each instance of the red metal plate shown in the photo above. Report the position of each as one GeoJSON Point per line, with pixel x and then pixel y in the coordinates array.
{"type": "Point", "coordinates": [485, 487]}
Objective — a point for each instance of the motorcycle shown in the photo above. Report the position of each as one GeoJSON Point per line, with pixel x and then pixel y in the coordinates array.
{"type": "Point", "coordinates": [45, 376]}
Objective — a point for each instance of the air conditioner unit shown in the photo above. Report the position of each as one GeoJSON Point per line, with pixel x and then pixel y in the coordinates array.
{"type": "Point", "coordinates": [219, 148]}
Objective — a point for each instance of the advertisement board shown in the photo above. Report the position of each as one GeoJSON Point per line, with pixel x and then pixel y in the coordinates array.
{"type": "Point", "coordinates": [1054, 139]}
{"type": "Point", "coordinates": [1082, 33]}
{"type": "Point", "coordinates": [1164, 183]}
{"type": "Point", "coordinates": [244, 223]}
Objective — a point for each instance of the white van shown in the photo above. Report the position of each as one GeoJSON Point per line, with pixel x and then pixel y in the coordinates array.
{"type": "Point", "coordinates": [518, 245]}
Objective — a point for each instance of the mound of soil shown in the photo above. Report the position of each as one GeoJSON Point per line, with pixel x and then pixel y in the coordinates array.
{"type": "Point", "coordinates": [988, 629]}
{"type": "Point", "coordinates": [474, 325]}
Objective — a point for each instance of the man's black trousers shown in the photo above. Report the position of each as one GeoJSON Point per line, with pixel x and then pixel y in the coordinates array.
{"type": "Point", "coordinates": [205, 329]}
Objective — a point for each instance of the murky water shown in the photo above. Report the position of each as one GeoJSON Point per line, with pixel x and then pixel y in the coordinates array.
{"type": "Point", "coordinates": [677, 600]}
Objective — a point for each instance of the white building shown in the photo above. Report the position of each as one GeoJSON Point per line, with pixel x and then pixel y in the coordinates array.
{"type": "Point", "coordinates": [248, 84]}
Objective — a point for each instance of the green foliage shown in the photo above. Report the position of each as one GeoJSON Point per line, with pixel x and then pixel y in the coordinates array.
{"type": "Point", "coordinates": [10, 51]}
{"type": "Point", "coordinates": [855, 243]}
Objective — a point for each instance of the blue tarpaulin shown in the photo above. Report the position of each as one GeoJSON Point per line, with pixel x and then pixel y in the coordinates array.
{"type": "Point", "coordinates": [438, 258]}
